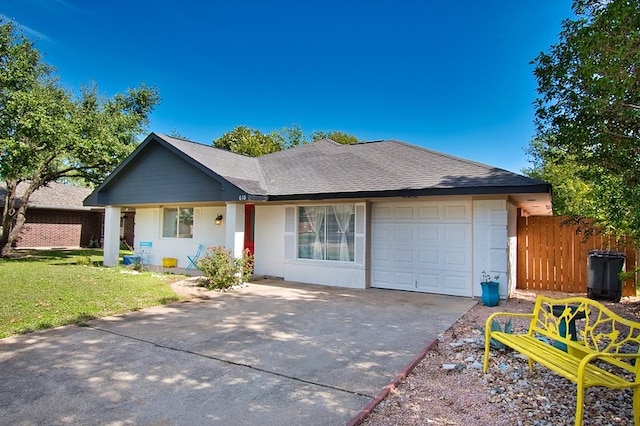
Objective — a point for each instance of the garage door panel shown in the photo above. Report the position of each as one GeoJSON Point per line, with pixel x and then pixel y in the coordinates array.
{"type": "Point", "coordinates": [382, 212]}
{"type": "Point", "coordinates": [403, 233]}
{"type": "Point", "coordinates": [457, 212]}
{"type": "Point", "coordinates": [382, 278]}
{"type": "Point", "coordinates": [405, 257]}
{"type": "Point", "coordinates": [429, 234]}
{"type": "Point", "coordinates": [456, 235]}
{"type": "Point", "coordinates": [422, 247]}
{"type": "Point", "coordinates": [382, 233]}
{"type": "Point", "coordinates": [405, 279]}
{"type": "Point", "coordinates": [429, 258]}
{"type": "Point", "coordinates": [381, 255]}
{"type": "Point", "coordinates": [428, 282]}
{"type": "Point", "coordinates": [430, 212]}
{"type": "Point", "coordinates": [405, 212]}
{"type": "Point", "coordinates": [456, 259]}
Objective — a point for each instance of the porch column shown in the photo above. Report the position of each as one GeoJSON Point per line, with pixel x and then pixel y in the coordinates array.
{"type": "Point", "coordinates": [111, 244]}
{"type": "Point", "coordinates": [234, 229]}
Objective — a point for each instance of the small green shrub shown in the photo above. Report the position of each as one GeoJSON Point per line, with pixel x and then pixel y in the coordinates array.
{"type": "Point", "coordinates": [222, 270]}
{"type": "Point", "coordinates": [245, 263]}
{"type": "Point", "coordinates": [84, 260]}
{"type": "Point", "coordinates": [137, 266]}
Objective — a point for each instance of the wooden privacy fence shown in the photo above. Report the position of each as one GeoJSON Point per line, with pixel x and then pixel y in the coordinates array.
{"type": "Point", "coordinates": [553, 257]}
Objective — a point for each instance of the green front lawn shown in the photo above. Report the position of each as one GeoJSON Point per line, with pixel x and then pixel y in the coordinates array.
{"type": "Point", "coordinates": [42, 289]}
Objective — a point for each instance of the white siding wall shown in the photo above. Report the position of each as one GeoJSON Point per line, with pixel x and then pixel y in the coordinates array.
{"type": "Point", "coordinates": [490, 243]}
{"type": "Point", "coordinates": [148, 227]}
{"type": "Point", "coordinates": [269, 240]}
{"type": "Point", "coordinates": [316, 272]}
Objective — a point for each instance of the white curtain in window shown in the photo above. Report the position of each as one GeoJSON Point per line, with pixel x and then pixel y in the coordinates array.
{"type": "Point", "coordinates": [170, 222]}
{"type": "Point", "coordinates": [315, 214]}
{"type": "Point", "coordinates": [343, 214]}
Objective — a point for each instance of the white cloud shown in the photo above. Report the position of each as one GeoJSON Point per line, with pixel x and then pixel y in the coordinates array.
{"type": "Point", "coordinates": [37, 35]}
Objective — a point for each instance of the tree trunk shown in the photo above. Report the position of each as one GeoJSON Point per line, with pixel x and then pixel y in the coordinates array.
{"type": "Point", "coordinates": [14, 214]}
{"type": "Point", "coordinates": [7, 215]}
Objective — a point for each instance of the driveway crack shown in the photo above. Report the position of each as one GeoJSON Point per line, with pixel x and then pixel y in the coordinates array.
{"type": "Point", "coordinates": [226, 361]}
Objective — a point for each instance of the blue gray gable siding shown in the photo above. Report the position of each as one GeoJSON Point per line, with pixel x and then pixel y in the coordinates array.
{"type": "Point", "coordinates": [161, 176]}
{"type": "Point", "coordinates": [155, 174]}
{"type": "Point", "coordinates": [170, 170]}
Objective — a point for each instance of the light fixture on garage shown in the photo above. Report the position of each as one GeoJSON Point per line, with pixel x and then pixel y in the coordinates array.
{"type": "Point", "coordinates": [219, 219]}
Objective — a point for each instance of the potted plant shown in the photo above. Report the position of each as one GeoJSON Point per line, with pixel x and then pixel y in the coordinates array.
{"type": "Point", "coordinates": [490, 289]}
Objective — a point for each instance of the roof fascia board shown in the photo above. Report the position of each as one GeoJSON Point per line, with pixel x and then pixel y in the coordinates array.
{"type": "Point", "coordinates": [542, 188]}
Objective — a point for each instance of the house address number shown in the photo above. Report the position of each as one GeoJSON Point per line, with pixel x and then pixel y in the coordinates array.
{"type": "Point", "coordinates": [243, 197]}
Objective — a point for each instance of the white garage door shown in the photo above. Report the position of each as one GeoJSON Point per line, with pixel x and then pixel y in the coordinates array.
{"type": "Point", "coordinates": [422, 246]}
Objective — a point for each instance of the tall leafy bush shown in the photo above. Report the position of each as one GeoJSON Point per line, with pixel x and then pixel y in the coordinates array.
{"type": "Point", "coordinates": [222, 270]}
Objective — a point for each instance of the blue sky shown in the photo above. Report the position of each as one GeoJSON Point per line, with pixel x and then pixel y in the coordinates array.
{"type": "Point", "coordinates": [450, 76]}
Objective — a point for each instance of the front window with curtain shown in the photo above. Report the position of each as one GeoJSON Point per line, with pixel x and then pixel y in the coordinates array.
{"type": "Point", "coordinates": [326, 232]}
{"type": "Point", "coordinates": [177, 222]}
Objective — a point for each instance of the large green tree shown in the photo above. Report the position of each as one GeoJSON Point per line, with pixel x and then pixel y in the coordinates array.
{"type": "Point", "coordinates": [334, 135]}
{"type": "Point", "coordinates": [588, 115]}
{"type": "Point", "coordinates": [48, 133]}
{"type": "Point", "coordinates": [247, 141]}
{"type": "Point", "coordinates": [254, 143]}
{"type": "Point", "coordinates": [571, 194]}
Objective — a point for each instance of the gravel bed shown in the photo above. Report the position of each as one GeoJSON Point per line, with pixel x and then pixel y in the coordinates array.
{"type": "Point", "coordinates": [449, 388]}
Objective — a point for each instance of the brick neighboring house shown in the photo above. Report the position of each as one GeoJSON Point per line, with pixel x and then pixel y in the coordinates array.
{"type": "Point", "coordinates": [56, 217]}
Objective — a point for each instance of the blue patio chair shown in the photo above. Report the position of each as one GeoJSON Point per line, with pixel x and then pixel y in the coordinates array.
{"type": "Point", "coordinates": [193, 259]}
{"type": "Point", "coordinates": [145, 252]}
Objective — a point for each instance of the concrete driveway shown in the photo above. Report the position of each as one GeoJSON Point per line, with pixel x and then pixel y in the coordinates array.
{"type": "Point", "coordinates": [273, 353]}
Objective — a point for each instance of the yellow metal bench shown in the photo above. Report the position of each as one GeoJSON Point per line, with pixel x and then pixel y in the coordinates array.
{"type": "Point", "coordinates": [601, 352]}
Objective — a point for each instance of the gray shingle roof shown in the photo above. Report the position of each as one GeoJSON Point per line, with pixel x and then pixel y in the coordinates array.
{"type": "Point", "coordinates": [326, 167]}
{"type": "Point", "coordinates": [242, 171]}
{"type": "Point", "coordinates": [53, 196]}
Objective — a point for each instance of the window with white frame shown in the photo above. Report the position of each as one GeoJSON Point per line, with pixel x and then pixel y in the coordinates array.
{"type": "Point", "coordinates": [177, 222]}
{"type": "Point", "coordinates": [326, 232]}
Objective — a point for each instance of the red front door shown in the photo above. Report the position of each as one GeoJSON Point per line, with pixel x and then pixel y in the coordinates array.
{"type": "Point", "coordinates": [249, 222]}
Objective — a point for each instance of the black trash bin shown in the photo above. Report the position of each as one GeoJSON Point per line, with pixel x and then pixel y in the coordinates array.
{"type": "Point", "coordinates": [603, 267]}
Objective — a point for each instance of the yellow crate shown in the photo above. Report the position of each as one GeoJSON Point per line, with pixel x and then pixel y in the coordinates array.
{"type": "Point", "coordinates": [169, 262]}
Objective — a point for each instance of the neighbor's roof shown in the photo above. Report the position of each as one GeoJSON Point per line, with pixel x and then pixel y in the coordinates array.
{"type": "Point", "coordinates": [55, 195]}
{"type": "Point", "coordinates": [328, 169]}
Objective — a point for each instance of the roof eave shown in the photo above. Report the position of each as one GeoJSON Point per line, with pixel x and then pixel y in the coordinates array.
{"type": "Point", "coordinates": [60, 208]}
{"type": "Point", "coordinates": [424, 192]}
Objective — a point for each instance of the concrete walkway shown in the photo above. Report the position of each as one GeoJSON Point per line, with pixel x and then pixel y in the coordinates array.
{"type": "Point", "coordinates": [272, 353]}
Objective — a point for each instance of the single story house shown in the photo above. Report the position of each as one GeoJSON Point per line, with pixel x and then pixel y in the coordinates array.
{"type": "Point", "coordinates": [382, 214]}
{"type": "Point", "coordinates": [56, 217]}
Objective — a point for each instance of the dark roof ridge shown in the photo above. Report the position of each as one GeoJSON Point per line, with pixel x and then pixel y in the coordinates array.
{"type": "Point", "coordinates": [199, 144]}
{"type": "Point", "coordinates": [263, 174]}
{"type": "Point", "coordinates": [317, 142]}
